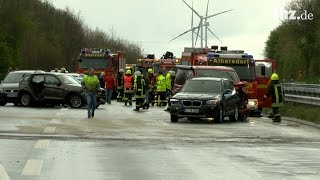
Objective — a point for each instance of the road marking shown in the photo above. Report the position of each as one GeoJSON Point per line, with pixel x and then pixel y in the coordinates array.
{"type": "Point", "coordinates": [3, 174]}
{"type": "Point", "coordinates": [49, 130]}
{"type": "Point", "coordinates": [42, 144]}
{"type": "Point", "coordinates": [32, 168]}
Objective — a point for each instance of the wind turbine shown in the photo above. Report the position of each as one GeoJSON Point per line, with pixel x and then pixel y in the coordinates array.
{"type": "Point", "coordinates": [203, 22]}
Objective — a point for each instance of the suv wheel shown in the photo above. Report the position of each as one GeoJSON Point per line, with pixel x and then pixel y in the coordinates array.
{"type": "Point", "coordinates": [220, 115]}
{"type": "Point", "coordinates": [26, 99]}
{"type": "Point", "coordinates": [235, 116]}
{"type": "Point", "coordinates": [174, 118]}
{"type": "Point", "coordinates": [3, 103]}
{"type": "Point", "coordinates": [75, 101]}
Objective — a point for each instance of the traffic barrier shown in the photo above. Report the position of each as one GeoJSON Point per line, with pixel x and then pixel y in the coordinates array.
{"type": "Point", "coordinates": [303, 99]}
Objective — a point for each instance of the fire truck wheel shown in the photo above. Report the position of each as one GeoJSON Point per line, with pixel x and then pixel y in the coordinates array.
{"type": "Point", "coordinates": [235, 116]}
{"type": "Point", "coordinates": [75, 101]}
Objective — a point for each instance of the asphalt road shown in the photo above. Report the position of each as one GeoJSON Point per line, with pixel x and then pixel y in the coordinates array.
{"type": "Point", "coordinates": [118, 143]}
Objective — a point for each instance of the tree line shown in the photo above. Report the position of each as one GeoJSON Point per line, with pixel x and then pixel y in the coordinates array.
{"type": "Point", "coordinates": [295, 44]}
{"type": "Point", "coordinates": [36, 35]}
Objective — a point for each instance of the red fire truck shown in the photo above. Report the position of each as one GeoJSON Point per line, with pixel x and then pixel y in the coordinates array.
{"type": "Point", "coordinates": [165, 65]}
{"type": "Point", "coordinates": [256, 74]}
{"type": "Point", "coordinates": [264, 70]}
{"type": "Point", "coordinates": [194, 56]}
{"type": "Point", "coordinates": [101, 60]}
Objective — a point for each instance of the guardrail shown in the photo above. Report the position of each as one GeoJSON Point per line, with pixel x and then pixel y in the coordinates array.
{"type": "Point", "coordinates": [302, 93]}
{"type": "Point", "coordinates": [312, 90]}
{"type": "Point", "coordinates": [303, 99]}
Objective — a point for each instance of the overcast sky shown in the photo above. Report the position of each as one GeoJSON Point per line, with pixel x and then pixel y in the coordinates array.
{"type": "Point", "coordinates": [153, 23]}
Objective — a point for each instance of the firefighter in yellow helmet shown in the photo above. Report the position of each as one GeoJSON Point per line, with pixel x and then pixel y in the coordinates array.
{"type": "Point", "coordinates": [275, 90]}
{"type": "Point", "coordinates": [150, 94]}
{"type": "Point", "coordinates": [128, 87]}
{"type": "Point", "coordinates": [161, 90]}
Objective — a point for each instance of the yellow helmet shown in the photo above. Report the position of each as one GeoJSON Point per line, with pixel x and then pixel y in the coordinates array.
{"type": "Point", "coordinates": [150, 70]}
{"type": "Point", "coordinates": [128, 71]}
{"type": "Point", "coordinates": [274, 77]}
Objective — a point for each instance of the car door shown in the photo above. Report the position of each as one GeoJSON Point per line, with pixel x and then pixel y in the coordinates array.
{"type": "Point", "coordinates": [53, 88]}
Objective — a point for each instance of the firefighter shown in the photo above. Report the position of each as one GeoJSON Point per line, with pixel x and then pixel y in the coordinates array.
{"type": "Point", "coordinates": [140, 90]}
{"type": "Point", "coordinates": [170, 77]}
{"type": "Point", "coordinates": [275, 90]}
{"type": "Point", "coordinates": [161, 90]}
{"type": "Point", "coordinates": [151, 78]}
{"type": "Point", "coordinates": [120, 85]}
{"type": "Point", "coordinates": [102, 80]}
{"type": "Point", "coordinates": [244, 111]}
{"type": "Point", "coordinates": [128, 87]}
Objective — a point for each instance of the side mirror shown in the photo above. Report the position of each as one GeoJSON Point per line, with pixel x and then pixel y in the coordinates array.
{"type": "Point", "coordinates": [263, 70]}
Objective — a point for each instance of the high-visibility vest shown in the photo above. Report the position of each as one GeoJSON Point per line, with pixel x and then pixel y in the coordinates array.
{"type": "Point", "coordinates": [161, 83]}
{"type": "Point", "coordinates": [168, 81]}
{"type": "Point", "coordinates": [127, 82]}
{"type": "Point", "coordinates": [91, 83]}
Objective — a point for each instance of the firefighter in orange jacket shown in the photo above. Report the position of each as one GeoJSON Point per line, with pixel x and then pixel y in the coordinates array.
{"type": "Point", "coordinates": [128, 87]}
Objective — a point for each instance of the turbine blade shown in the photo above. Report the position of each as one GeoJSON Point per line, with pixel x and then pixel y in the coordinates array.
{"type": "Point", "coordinates": [207, 17]}
{"type": "Point", "coordinates": [182, 34]}
{"type": "Point", "coordinates": [192, 16]}
{"type": "Point", "coordinates": [199, 27]}
{"type": "Point", "coordinates": [214, 35]}
{"type": "Point", "coordinates": [192, 9]}
{"type": "Point", "coordinates": [207, 11]}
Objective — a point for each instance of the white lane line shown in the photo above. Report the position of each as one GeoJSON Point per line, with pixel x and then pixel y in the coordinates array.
{"type": "Point", "coordinates": [3, 174]}
{"type": "Point", "coordinates": [32, 168]}
{"type": "Point", "coordinates": [42, 144]}
{"type": "Point", "coordinates": [49, 130]}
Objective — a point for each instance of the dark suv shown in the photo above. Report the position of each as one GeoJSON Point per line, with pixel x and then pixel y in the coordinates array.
{"type": "Point", "coordinates": [206, 97]}
{"type": "Point", "coordinates": [10, 85]}
{"type": "Point", "coordinates": [52, 88]}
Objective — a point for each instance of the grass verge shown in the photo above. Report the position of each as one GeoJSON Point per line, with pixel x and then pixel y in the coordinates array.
{"type": "Point", "coordinates": [301, 111]}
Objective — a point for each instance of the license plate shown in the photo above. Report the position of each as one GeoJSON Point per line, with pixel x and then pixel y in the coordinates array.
{"type": "Point", "coordinates": [191, 110]}
{"type": "Point", "coordinates": [12, 95]}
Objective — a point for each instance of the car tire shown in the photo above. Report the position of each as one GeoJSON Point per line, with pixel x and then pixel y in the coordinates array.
{"type": "Point", "coordinates": [75, 101]}
{"type": "Point", "coordinates": [220, 115]}
{"type": "Point", "coordinates": [26, 99]}
{"type": "Point", "coordinates": [235, 116]}
{"type": "Point", "coordinates": [174, 118]}
{"type": "Point", "coordinates": [3, 103]}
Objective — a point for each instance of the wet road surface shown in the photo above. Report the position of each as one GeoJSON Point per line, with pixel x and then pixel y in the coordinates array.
{"type": "Point", "coordinates": [118, 143]}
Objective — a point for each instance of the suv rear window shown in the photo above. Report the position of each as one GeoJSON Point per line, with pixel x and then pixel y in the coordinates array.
{"type": "Point", "coordinates": [230, 75]}
{"type": "Point", "coordinates": [182, 76]}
